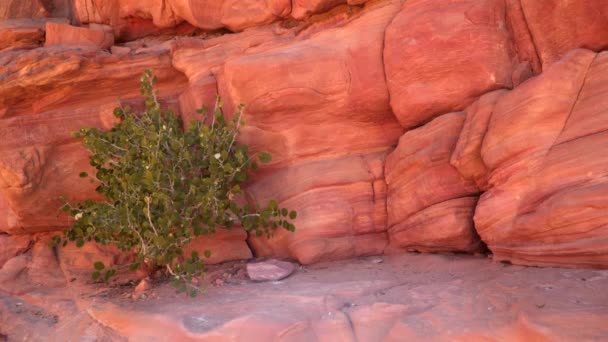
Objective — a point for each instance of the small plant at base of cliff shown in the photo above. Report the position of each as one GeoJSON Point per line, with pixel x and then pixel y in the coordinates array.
{"type": "Point", "coordinates": [165, 186]}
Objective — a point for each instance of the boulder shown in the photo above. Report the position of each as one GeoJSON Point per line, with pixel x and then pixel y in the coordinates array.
{"type": "Point", "coordinates": [335, 122]}
{"type": "Point", "coordinates": [11, 246]}
{"type": "Point", "coordinates": [544, 154]}
{"type": "Point", "coordinates": [558, 26]}
{"type": "Point", "coordinates": [63, 91]}
{"type": "Point", "coordinates": [440, 56]}
{"type": "Point", "coordinates": [23, 33]}
{"type": "Point", "coordinates": [303, 8]}
{"type": "Point", "coordinates": [129, 16]}
{"type": "Point", "coordinates": [235, 15]}
{"type": "Point", "coordinates": [340, 215]}
{"type": "Point", "coordinates": [466, 156]}
{"type": "Point", "coordinates": [269, 270]}
{"type": "Point", "coordinates": [224, 245]}
{"type": "Point", "coordinates": [99, 36]}
{"type": "Point", "coordinates": [25, 8]}
{"type": "Point", "coordinates": [429, 204]}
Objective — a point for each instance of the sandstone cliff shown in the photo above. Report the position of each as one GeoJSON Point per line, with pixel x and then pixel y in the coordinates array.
{"type": "Point", "coordinates": [394, 125]}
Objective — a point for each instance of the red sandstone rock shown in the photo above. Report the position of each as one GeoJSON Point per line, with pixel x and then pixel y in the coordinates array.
{"type": "Point", "coordinates": [347, 93]}
{"type": "Point", "coordinates": [558, 26]}
{"type": "Point", "coordinates": [224, 245]}
{"type": "Point", "coordinates": [23, 33]}
{"type": "Point", "coordinates": [545, 204]}
{"type": "Point", "coordinates": [77, 263]}
{"type": "Point", "coordinates": [38, 167]}
{"type": "Point", "coordinates": [523, 44]}
{"type": "Point", "coordinates": [317, 99]}
{"type": "Point", "coordinates": [63, 34]}
{"type": "Point", "coordinates": [11, 246]}
{"type": "Point", "coordinates": [25, 8]}
{"type": "Point", "coordinates": [143, 286]}
{"type": "Point", "coordinates": [296, 119]}
{"type": "Point", "coordinates": [341, 214]}
{"type": "Point", "coordinates": [236, 15]}
{"type": "Point", "coordinates": [443, 227]}
{"type": "Point", "coordinates": [302, 8]}
{"type": "Point", "coordinates": [428, 202]}
{"type": "Point", "coordinates": [439, 56]}
{"type": "Point", "coordinates": [467, 153]}
{"type": "Point", "coordinates": [36, 268]}
{"type": "Point", "coordinates": [7, 216]}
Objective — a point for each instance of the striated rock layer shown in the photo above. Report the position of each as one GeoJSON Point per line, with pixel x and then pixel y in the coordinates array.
{"type": "Point", "coordinates": [394, 125]}
{"type": "Point", "coordinates": [545, 155]}
{"type": "Point", "coordinates": [419, 125]}
{"type": "Point", "coordinates": [430, 205]}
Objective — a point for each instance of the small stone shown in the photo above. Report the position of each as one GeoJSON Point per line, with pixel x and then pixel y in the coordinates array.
{"type": "Point", "coordinates": [269, 270]}
{"type": "Point", "coordinates": [120, 50]}
{"type": "Point", "coordinates": [142, 287]}
{"type": "Point", "coordinates": [377, 260]}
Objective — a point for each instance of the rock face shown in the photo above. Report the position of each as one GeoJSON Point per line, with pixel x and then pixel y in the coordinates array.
{"type": "Point", "coordinates": [430, 205]}
{"type": "Point", "coordinates": [337, 124]}
{"type": "Point", "coordinates": [62, 34]}
{"type": "Point", "coordinates": [558, 26]}
{"type": "Point", "coordinates": [436, 64]}
{"type": "Point", "coordinates": [545, 203]}
{"type": "Point", "coordinates": [24, 33]}
{"type": "Point", "coordinates": [25, 9]}
{"type": "Point", "coordinates": [419, 125]}
{"type": "Point", "coordinates": [394, 125]}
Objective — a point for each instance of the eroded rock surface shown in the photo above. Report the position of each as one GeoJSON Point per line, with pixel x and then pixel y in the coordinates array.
{"type": "Point", "coordinates": [465, 298]}
{"type": "Point", "coordinates": [394, 125]}
{"type": "Point", "coordinates": [430, 205]}
{"type": "Point", "coordinates": [439, 63]}
{"type": "Point", "coordinates": [545, 202]}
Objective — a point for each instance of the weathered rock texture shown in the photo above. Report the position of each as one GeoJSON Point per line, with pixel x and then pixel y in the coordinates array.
{"type": "Point", "coordinates": [394, 125]}
{"type": "Point", "coordinates": [438, 63]}
{"type": "Point", "coordinates": [546, 202]}
{"type": "Point", "coordinates": [407, 297]}
{"type": "Point", "coordinates": [430, 205]}
{"type": "Point", "coordinates": [423, 125]}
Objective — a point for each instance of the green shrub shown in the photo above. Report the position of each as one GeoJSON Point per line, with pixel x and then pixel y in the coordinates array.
{"type": "Point", "coordinates": [165, 185]}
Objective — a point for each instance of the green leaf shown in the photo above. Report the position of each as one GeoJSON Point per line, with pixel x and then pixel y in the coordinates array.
{"type": "Point", "coordinates": [83, 174]}
{"type": "Point", "coordinates": [293, 214]}
{"type": "Point", "coordinates": [264, 157]}
{"type": "Point", "coordinates": [109, 274]}
{"type": "Point", "coordinates": [162, 185]}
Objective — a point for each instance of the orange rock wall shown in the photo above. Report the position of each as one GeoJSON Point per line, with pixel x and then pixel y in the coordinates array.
{"type": "Point", "coordinates": [424, 125]}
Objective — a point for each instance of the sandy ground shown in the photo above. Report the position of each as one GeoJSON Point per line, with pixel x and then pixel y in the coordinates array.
{"type": "Point", "coordinates": [412, 297]}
